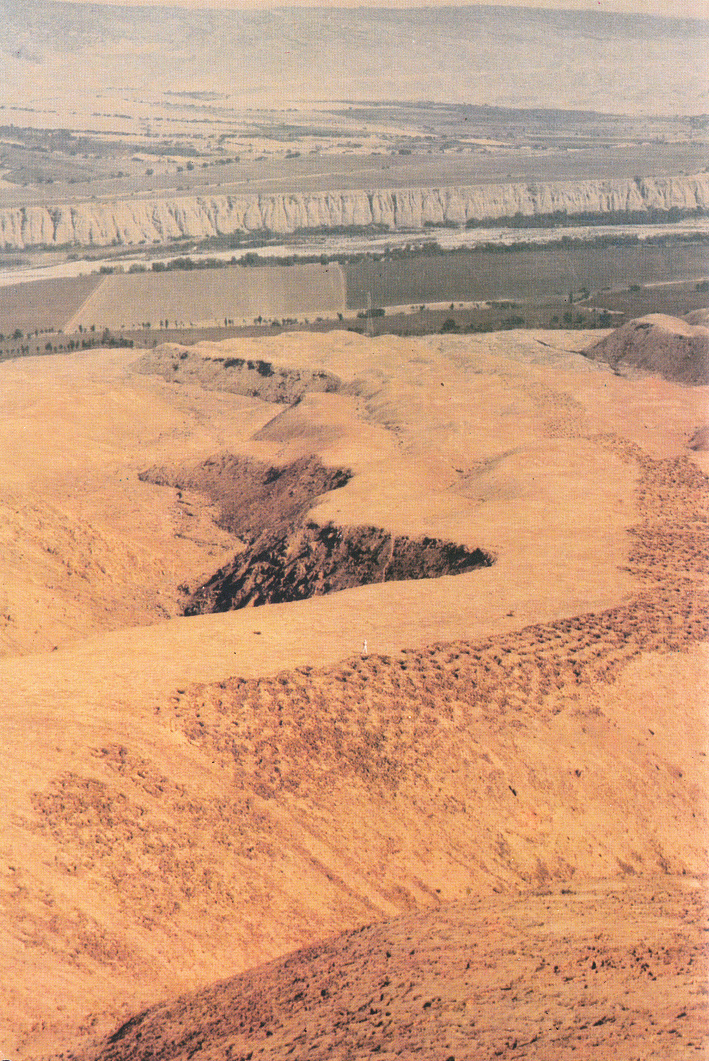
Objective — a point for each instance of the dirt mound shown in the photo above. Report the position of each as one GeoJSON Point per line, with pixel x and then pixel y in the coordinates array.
{"type": "Point", "coordinates": [315, 422]}
{"type": "Point", "coordinates": [505, 977]}
{"type": "Point", "coordinates": [697, 317]}
{"type": "Point", "coordinates": [252, 377]}
{"type": "Point", "coordinates": [670, 346]}
{"type": "Point", "coordinates": [317, 559]}
{"type": "Point", "coordinates": [252, 494]}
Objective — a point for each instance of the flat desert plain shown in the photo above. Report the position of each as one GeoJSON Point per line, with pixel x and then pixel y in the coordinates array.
{"type": "Point", "coordinates": [506, 783]}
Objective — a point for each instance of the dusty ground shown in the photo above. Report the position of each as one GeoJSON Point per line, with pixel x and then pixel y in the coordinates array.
{"type": "Point", "coordinates": [557, 975]}
{"type": "Point", "coordinates": [675, 348]}
{"type": "Point", "coordinates": [183, 798]}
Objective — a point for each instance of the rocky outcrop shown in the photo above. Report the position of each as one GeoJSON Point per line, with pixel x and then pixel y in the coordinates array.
{"type": "Point", "coordinates": [139, 221]}
{"type": "Point", "coordinates": [292, 565]}
{"type": "Point", "coordinates": [252, 377]}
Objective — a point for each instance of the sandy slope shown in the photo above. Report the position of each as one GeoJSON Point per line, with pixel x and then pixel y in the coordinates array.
{"type": "Point", "coordinates": [165, 822]}
{"type": "Point", "coordinates": [86, 546]}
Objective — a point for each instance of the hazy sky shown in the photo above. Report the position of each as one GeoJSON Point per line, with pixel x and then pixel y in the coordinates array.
{"type": "Point", "coordinates": [675, 8]}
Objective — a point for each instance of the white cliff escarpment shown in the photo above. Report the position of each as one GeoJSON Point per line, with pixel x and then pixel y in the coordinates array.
{"type": "Point", "coordinates": [134, 222]}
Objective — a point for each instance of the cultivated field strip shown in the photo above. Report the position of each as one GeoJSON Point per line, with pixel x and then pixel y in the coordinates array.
{"type": "Point", "coordinates": [92, 306]}
{"type": "Point", "coordinates": [480, 274]}
{"type": "Point", "coordinates": [209, 297]}
{"type": "Point", "coordinates": [44, 304]}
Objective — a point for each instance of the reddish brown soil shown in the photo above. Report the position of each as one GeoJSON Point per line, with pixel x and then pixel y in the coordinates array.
{"type": "Point", "coordinates": [182, 801]}
{"type": "Point", "coordinates": [593, 972]}
{"type": "Point", "coordinates": [288, 558]}
{"type": "Point", "coordinates": [396, 757]}
{"type": "Point", "coordinates": [253, 495]}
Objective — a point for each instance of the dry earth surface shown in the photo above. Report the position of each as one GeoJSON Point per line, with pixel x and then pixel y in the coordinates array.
{"type": "Point", "coordinates": [606, 970]}
{"type": "Point", "coordinates": [675, 348]}
{"type": "Point", "coordinates": [184, 798]}
{"type": "Point", "coordinates": [211, 296]}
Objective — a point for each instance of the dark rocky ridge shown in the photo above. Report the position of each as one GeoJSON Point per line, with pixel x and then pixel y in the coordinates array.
{"type": "Point", "coordinates": [252, 377]}
{"type": "Point", "coordinates": [314, 560]}
{"type": "Point", "coordinates": [288, 559]}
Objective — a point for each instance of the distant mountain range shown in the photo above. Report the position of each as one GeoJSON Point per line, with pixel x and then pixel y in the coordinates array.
{"type": "Point", "coordinates": [517, 57]}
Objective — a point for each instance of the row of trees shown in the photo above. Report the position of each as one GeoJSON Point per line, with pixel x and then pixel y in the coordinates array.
{"type": "Point", "coordinates": [63, 345]}
{"type": "Point", "coordinates": [516, 320]}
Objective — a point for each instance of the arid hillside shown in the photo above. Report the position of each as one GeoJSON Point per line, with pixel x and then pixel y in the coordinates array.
{"type": "Point", "coordinates": [669, 346]}
{"type": "Point", "coordinates": [185, 797]}
{"type": "Point", "coordinates": [555, 974]}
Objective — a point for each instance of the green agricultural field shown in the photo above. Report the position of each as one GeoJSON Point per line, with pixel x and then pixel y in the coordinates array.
{"type": "Point", "coordinates": [674, 299]}
{"type": "Point", "coordinates": [524, 288]}
{"type": "Point", "coordinates": [473, 276]}
{"type": "Point", "coordinates": [212, 296]}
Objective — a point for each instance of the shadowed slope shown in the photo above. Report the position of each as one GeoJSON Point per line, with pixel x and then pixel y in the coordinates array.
{"type": "Point", "coordinates": [313, 560]}
{"type": "Point", "coordinates": [253, 495]}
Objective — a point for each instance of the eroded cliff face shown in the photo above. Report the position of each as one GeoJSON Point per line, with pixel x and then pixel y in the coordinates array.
{"type": "Point", "coordinates": [134, 222]}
